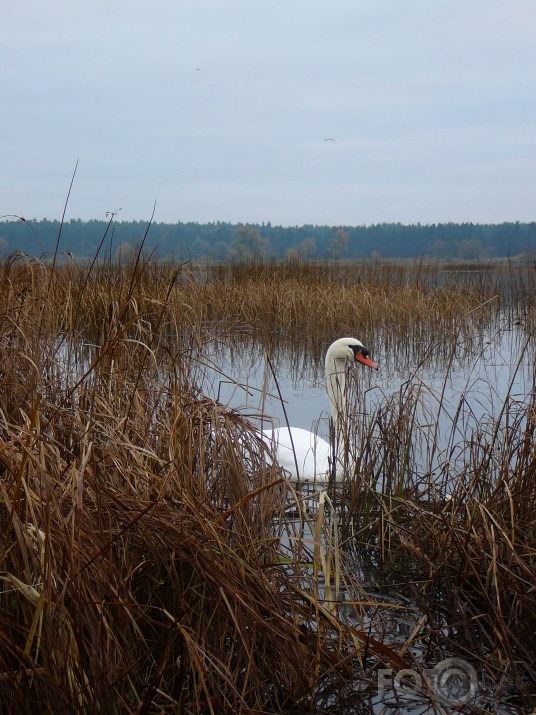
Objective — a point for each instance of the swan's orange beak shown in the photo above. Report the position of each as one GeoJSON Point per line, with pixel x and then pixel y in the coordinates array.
{"type": "Point", "coordinates": [365, 360]}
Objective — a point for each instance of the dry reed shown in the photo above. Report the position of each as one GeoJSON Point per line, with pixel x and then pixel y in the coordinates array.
{"type": "Point", "coordinates": [146, 561]}
{"type": "Point", "coordinates": [146, 564]}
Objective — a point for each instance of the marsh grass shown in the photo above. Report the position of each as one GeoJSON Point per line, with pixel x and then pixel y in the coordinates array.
{"type": "Point", "coordinates": [146, 563]}
{"type": "Point", "coordinates": [147, 560]}
{"type": "Point", "coordinates": [454, 527]}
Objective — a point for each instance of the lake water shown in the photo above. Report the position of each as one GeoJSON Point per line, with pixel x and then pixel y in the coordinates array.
{"type": "Point", "coordinates": [480, 374]}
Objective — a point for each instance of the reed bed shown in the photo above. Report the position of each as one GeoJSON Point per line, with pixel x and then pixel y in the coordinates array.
{"type": "Point", "coordinates": [294, 300]}
{"type": "Point", "coordinates": [319, 302]}
{"type": "Point", "coordinates": [147, 562]}
{"type": "Point", "coordinates": [454, 529]}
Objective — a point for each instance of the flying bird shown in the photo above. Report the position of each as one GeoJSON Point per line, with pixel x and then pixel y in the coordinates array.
{"type": "Point", "coordinates": [329, 139]}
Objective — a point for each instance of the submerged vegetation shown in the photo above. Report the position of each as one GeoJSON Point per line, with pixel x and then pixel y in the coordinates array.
{"type": "Point", "coordinates": [148, 563]}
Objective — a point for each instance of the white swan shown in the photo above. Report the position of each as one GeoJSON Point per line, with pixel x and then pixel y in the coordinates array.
{"type": "Point", "coordinates": [304, 455]}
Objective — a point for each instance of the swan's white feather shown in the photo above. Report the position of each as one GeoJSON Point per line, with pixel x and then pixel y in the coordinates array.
{"type": "Point", "coordinates": [295, 446]}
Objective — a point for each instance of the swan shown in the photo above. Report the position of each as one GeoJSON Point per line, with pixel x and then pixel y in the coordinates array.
{"type": "Point", "coordinates": [303, 454]}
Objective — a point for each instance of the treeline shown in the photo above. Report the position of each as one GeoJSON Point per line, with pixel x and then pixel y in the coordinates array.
{"type": "Point", "coordinates": [227, 242]}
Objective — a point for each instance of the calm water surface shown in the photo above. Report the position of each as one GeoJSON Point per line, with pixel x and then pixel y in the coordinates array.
{"type": "Point", "coordinates": [481, 372]}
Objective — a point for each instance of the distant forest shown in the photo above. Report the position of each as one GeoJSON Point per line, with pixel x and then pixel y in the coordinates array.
{"type": "Point", "coordinates": [231, 242]}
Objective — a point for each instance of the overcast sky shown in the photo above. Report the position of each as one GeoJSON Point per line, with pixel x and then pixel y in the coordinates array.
{"type": "Point", "coordinates": [221, 110]}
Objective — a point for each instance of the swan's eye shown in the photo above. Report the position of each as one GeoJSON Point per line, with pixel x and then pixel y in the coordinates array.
{"type": "Point", "coordinates": [365, 352]}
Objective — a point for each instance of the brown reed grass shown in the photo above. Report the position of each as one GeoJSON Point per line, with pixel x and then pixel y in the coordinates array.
{"type": "Point", "coordinates": [146, 561]}
{"type": "Point", "coordinates": [460, 535]}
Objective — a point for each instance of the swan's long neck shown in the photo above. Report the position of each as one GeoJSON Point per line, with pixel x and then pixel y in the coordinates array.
{"type": "Point", "coordinates": [336, 388]}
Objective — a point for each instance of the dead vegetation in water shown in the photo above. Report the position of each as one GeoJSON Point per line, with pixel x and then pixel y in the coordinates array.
{"type": "Point", "coordinates": [146, 564]}
{"type": "Point", "coordinates": [457, 533]}
{"type": "Point", "coordinates": [409, 303]}
{"type": "Point", "coordinates": [310, 301]}
{"type": "Point", "coordinates": [146, 561]}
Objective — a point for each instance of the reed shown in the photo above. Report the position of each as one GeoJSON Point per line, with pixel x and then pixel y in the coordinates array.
{"type": "Point", "coordinates": [146, 563]}
{"type": "Point", "coordinates": [147, 559]}
{"type": "Point", "coordinates": [458, 532]}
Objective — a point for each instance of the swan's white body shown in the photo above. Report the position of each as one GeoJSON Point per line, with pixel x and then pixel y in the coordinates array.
{"type": "Point", "coordinates": [296, 447]}
{"type": "Point", "coordinates": [304, 455]}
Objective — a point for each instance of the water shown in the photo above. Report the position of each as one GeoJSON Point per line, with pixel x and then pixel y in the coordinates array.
{"type": "Point", "coordinates": [467, 390]}
{"type": "Point", "coordinates": [482, 373]}
{"type": "Point", "coordinates": [486, 367]}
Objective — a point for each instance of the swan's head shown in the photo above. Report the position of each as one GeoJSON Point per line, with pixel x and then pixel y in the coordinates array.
{"type": "Point", "coordinates": [350, 349]}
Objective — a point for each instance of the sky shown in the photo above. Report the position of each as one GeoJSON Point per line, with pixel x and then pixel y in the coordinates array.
{"type": "Point", "coordinates": [339, 112]}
